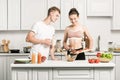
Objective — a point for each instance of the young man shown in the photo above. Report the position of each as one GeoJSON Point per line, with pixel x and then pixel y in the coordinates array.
{"type": "Point", "coordinates": [41, 34]}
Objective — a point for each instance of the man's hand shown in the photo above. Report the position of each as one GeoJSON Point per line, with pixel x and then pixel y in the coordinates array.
{"type": "Point", "coordinates": [47, 42]}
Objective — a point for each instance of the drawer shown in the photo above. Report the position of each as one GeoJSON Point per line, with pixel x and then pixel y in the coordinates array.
{"type": "Point", "coordinates": [76, 73]}
{"type": "Point", "coordinates": [73, 79]}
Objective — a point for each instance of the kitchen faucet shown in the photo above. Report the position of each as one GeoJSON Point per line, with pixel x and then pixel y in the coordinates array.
{"type": "Point", "coordinates": [98, 43]}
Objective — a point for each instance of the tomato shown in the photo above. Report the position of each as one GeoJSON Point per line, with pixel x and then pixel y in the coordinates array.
{"type": "Point", "coordinates": [92, 60]}
{"type": "Point", "coordinates": [97, 60]}
{"type": "Point", "coordinates": [89, 60]}
{"type": "Point", "coordinates": [98, 54]}
{"type": "Point", "coordinates": [43, 58]}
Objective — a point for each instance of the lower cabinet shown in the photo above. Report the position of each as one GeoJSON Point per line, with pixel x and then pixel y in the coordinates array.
{"type": "Point", "coordinates": [36, 73]}
{"type": "Point", "coordinates": [5, 62]}
{"type": "Point", "coordinates": [2, 68]}
{"type": "Point", "coordinates": [9, 60]}
{"type": "Point", "coordinates": [22, 74]}
{"type": "Point", "coordinates": [42, 74]}
{"type": "Point", "coordinates": [73, 74]}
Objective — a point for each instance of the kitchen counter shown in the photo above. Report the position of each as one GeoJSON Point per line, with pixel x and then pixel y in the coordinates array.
{"type": "Point", "coordinates": [63, 70]}
{"type": "Point", "coordinates": [51, 63]}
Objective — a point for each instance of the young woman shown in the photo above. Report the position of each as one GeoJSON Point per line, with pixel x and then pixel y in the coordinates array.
{"type": "Point", "coordinates": [76, 32]}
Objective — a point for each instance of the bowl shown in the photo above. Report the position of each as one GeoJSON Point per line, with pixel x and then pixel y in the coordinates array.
{"type": "Point", "coordinates": [71, 58]}
{"type": "Point", "coordinates": [105, 60]}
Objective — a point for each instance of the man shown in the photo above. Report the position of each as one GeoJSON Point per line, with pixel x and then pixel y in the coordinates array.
{"type": "Point", "coordinates": [41, 34]}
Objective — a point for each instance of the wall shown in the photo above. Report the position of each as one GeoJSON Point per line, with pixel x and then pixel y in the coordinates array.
{"type": "Point", "coordinates": [96, 26]}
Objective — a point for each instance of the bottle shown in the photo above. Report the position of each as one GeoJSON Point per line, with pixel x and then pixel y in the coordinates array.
{"type": "Point", "coordinates": [33, 58]}
{"type": "Point", "coordinates": [39, 58]}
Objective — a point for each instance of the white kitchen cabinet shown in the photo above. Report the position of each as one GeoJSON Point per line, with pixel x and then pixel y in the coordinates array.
{"type": "Point", "coordinates": [73, 73]}
{"type": "Point", "coordinates": [14, 14]}
{"type": "Point", "coordinates": [22, 74]}
{"type": "Point", "coordinates": [9, 61]}
{"type": "Point", "coordinates": [116, 16]}
{"type": "Point", "coordinates": [57, 4]}
{"type": "Point", "coordinates": [3, 14]}
{"type": "Point", "coordinates": [99, 7]}
{"type": "Point", "coordinates": [80, 5]}
{"type": "Point", "coordinates": [31, 12]}
{"type": "Point", "coordinates": [9, 14]}
{"type": "Point", "coordinates": [32, 74]}
{"type": "Point", "coordinates": [66, 5]}
{"type": "Point", "coordinates": [42, 74]}
{"type": "Point", "coordinates": [117, 68]}
{"type": "Point", "coordinates": [104, 74]}
{"type": "Point", "coordinates": [2, 68]}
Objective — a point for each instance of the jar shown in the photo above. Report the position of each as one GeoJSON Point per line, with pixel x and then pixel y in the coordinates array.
{"type": "Point", "coordinates": [58, 46]}
{"type": "Point", "coordinates": [110, 47]}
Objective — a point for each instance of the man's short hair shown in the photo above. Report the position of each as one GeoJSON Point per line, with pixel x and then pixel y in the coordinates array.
{"type": "Point", "coordinates": [53, 9]}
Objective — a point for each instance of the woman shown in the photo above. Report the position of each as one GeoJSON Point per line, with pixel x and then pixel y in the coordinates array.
{"type": "Point", "coordinates": [76, 33]}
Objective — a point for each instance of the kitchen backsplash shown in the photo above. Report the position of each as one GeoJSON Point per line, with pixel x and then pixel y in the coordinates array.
{"type": "Point", "coordinates": [96, 26]}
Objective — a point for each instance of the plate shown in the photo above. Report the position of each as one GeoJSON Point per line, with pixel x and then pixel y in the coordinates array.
{"type": "Point", "coordinates": [23, 60]}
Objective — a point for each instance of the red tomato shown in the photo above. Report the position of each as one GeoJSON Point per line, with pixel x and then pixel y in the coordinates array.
{"type": "Point", "coordinates": [89, 60]}
{"type": "Point", "coordinates": [92, 60]}
{"type": "Point", "coordinates": [98, 54]}
{"type": "Point", "coordinates": [97, 60]}
{"type": "Point", "coordinates": [43, 58]}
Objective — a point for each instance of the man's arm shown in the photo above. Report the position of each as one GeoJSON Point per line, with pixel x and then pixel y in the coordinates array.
{"type": "Point", "coordinates": [52, 50]}
{"type": "Point", "coordinates": [31, 38]}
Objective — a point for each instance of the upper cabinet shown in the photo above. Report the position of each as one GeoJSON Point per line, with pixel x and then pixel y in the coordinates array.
{"type": "Point", "coordinates": [66, 5]}
{"type": "Point", "coordinates": [99, 7]}
{"type": "Point", "coordinates": [9, 14]}
{"type": "Point", "coordinates": [116, 16]}
{"type": "Point", "coordinates": [14, 14]}
{"type": "Point", "coordinates": [31, 12]}
{"type": "Point", "coordinates": [3, 14]}
{"type": "Point", "coordinates": [57, 4]}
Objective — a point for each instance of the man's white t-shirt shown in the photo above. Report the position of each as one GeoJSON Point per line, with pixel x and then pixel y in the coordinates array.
{"type": "Point", "coordinates": [42, 31]}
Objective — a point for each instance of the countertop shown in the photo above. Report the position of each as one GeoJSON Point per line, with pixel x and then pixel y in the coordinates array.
{"type": "Point", "coordinates": [57, 54]}
{"type": "Point", "coordinates": [51, 63]}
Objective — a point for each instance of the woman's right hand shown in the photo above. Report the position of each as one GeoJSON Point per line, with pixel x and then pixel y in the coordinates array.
{"type": "Point", "coordinates": [66, 47]}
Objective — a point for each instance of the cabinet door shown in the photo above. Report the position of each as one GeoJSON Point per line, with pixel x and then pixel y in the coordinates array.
{"type": "Point", "coordinates": [116, 17]}
{"type": "Point", "coordinates": [73, 73]}
{"type": "Point", "coordinates": [66, 5]}
{"type": "Point", "coordinates": [3, 14]}
{"type": "Point", "coordinates": [2, 68]}
{"type": "Point", "coordinates": [21, 74]}
{"type": "Point", "coordinates": [31, 12]}
{"type": "Point", "coordinates": [99, 7]}
{"type": "Point", "coordinates": [42, 74]}
{"type": "Point", "coordinates": [107, 72]}
{"type": "Point", "coordinates": [80, 5]}
{"type": "Point", "coordinates": [13, 14]}
{"type": "Point", "coordinates": [117, 68]}
{"type": "Point", "coordinates": [10, 60]}
{"type": "Point", "coordinates": [57, 4]}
